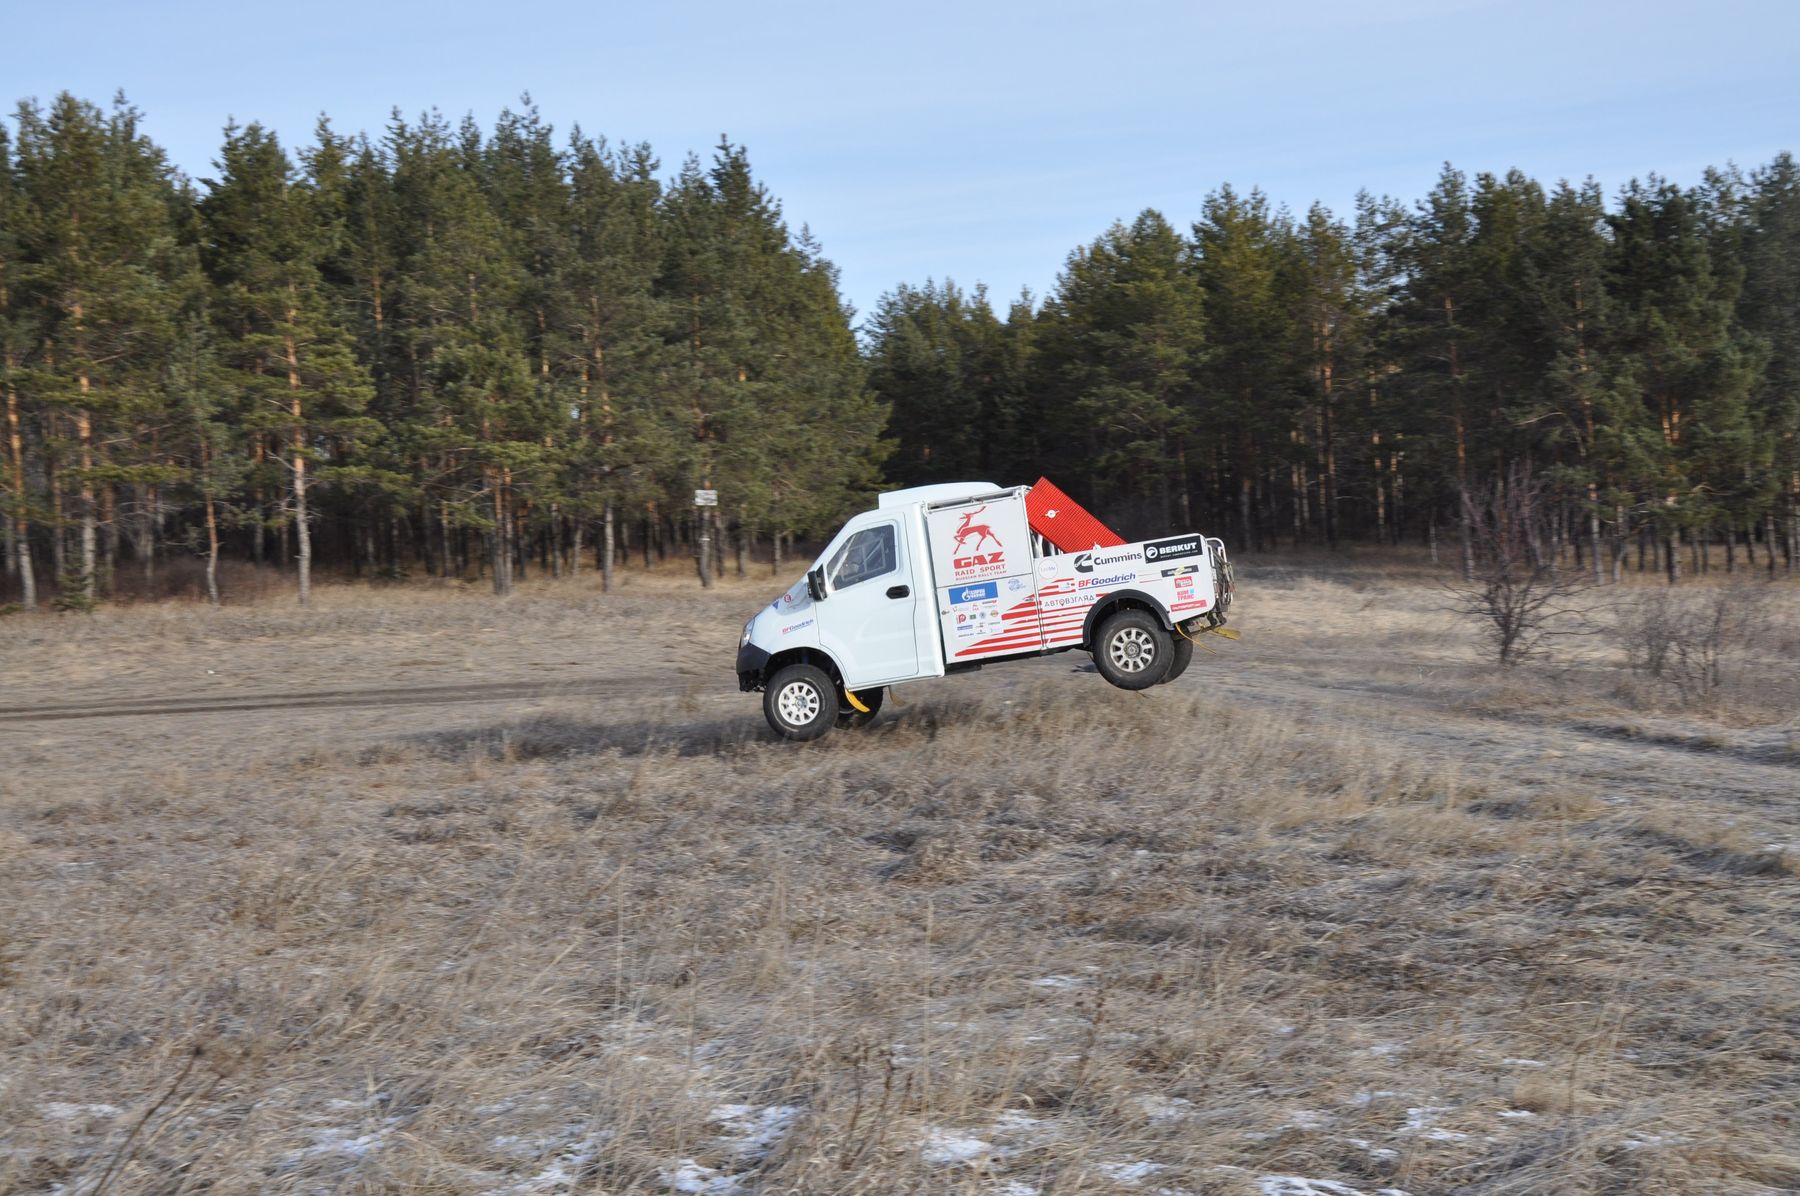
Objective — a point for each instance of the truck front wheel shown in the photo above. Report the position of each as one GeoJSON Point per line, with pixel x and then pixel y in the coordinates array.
{"type": "Point", "coordinates": [800, 702]}
{"type": "Point", "coordinates": [1132, 650]}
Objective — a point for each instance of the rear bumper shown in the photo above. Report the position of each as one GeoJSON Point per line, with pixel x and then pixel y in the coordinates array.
{"type": "Point", "coordinates": [752, 665]}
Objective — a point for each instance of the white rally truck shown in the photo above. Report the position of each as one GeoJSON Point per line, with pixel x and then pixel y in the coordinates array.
{"type": "Point", "coordinates": [946, 578]}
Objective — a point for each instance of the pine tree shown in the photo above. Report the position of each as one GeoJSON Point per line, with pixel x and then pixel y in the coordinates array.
{"type": "Point", "coordinates": [1254, 380]}
{"type": "Point", "coordinates": [301, 389]}
{"type": "Point", "coordinates": [1686, 360]}
{"type": "Point", "coordinates": [15, 342]}
{"type": "Point", "coordinates": [95, 221]}
{"type": "Point", "coordinates": [1769, 307]}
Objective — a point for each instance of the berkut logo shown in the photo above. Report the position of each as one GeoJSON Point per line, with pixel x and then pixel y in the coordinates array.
{"type": "Point", "coordinates": [1085, 562]}
{"type": "Point", "coordinates": [981, 534]}
{"type": "Point", "coordinates": [1162, 550]}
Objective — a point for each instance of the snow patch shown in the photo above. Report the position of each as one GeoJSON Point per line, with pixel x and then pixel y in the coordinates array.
{"type": "Point", "coordinates": [753, 1129]}
{"type": "Point", "coordinates": [1299, 1185]}
{"type": "Point", "coordinates": [1418, 1121]}
{"type": "Point", "coordinates": [1057, 982]}
{"type": "Point", "coordinates": [344, 1143]}
{"type": "Point", "coordinates": [1163, 1108]}
{"type": "Point", "coordinates": [697, 1180]}
{"type": "Point", "coordinates": [1128, 1172]}
{"type": "Point", "coordinates": [944, 1147]}
{"type": "Point", "coordinates": [1648, 1141]}
{"type": "Point", "coordinates": [1379, 1153]}
{"type": "Point", "coordinates": [1362, 1099]}
{"type": "Point", "coordinates": [58, 1110]}
{"type": "Point", "coordinates": [1517, 1114]}
{"type": "Point", "coordinates": [1524, 1062]}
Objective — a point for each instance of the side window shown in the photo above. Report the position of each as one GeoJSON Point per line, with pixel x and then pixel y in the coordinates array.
{"type": "Point", "coordinates": [869, 553]}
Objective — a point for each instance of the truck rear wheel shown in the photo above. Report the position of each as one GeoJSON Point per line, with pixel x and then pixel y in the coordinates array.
{"type": "Point", "coordinates": [800, 702]}
{"type": "Point", "coordinates": [1178, 663]}
{"type": "Point", "coordinates": [850, 716]}
{"type": "Point", "coordinates": [1132, 650]}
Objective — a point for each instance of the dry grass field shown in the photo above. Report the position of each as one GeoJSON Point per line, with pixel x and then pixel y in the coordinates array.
{"type": "Point", "coordinates": [421, 891]}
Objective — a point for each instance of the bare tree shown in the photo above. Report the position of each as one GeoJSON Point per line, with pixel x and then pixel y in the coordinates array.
{"type": "Point", "coordinates": [1513, 587]}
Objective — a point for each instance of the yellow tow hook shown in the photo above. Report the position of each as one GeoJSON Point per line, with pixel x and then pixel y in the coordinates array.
{"type": "Point", "coordinates": [850, 694]}
{"type": "Point", "coordinates": [1227, 632]}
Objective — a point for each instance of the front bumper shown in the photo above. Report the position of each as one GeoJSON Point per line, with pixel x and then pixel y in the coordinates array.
{"type": "Point", "coordinates": [752, 666]}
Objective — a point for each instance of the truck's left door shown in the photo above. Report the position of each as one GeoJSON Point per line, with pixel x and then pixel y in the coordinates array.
{"type": "Point", "coordinates": [867, 620]}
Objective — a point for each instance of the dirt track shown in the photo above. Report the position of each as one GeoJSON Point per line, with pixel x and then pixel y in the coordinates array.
{"type": "Point", "coordinates": [1729, 778]}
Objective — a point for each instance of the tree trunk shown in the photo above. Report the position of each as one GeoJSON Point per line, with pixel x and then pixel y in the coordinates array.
{"type": "Point", "coordinates": [297, 450]}
{"type": "Point", "coordinates": [607, 545]}
{"type": "Point", "coordinates": [1672, 558]}
{"type": "Point", "coordinates": [500, 547]}
{"type": "Point", "coordinates": [212, 551]}
{"type": "Point", "coordinates": [703, 547]}
{"type": "Point", "coordinates": [18, 524]}
{"type": "Point", "coordinates": [84, 432]}
{"type": "Point", "coordinates": [775, 554]}
{"type": "Point", "coordinates": [1594, 532]}
{"type": "Point", "coordinates": [147, 545]}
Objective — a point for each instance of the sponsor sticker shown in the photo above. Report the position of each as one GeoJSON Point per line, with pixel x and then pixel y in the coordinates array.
{"type": "Point", "coordinates": [1162, 550]}
{"type": "Point", "coordinates": [1087, 562]}
{"type": "Point", "coordinates": [977, 550]}
{"type": "Point", "coordinates": [1117, 579]}
{"type": "Point", "coordinates": [1189, 605]}
{"type": "Point", "coordinates": [1014, 584]}
{"type": "Point", "coordinates": [800, 626]}
{"type": "Point", "coordinates": [1178, 570]}
{"type": "Point", "coordinates": [963, 594]}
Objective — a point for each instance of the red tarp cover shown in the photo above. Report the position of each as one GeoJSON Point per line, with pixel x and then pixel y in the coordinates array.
{"type": "Point", "coordinates": [1062, 521]}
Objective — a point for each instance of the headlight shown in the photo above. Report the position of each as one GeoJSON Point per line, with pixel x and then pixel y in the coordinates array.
{"type": "Point", "coordinates": [745, 638]}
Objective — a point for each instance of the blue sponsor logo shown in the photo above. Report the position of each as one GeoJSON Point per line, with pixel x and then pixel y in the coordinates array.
{"type": "Point", "coordinates": [983, 592]}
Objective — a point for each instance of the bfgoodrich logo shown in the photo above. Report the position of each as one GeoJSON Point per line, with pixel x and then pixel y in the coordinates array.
{"type": "Point", "coordinates": [1162, 550]}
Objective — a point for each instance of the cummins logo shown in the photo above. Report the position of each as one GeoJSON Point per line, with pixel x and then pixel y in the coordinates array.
{"type": "Point", "coordinates": [1162, 550]}
{"type": "Point", "coordinates": [1086, 562]}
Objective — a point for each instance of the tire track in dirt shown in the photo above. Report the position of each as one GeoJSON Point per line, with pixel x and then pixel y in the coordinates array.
{"type": "Point", "coordinates": [423, 695]}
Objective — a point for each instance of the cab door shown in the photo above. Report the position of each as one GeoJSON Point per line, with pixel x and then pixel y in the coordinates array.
{"type": "Point", "coordinates": [867, 621]}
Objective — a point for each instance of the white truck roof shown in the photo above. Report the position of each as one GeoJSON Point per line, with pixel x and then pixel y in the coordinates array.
{"type": "Point", "coordinates": [941, 492]}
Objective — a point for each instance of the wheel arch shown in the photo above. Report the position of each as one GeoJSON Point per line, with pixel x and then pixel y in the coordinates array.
{"type": "Point", "coordinates": [812, 656]}
{"type": "Point", "coordinates": [1119, 600]}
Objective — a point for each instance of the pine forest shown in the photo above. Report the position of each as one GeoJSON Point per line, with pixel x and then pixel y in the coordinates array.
{"type": "Point", "coordinates": [475, 353]}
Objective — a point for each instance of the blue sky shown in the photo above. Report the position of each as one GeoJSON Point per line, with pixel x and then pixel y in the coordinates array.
{"type": "Point", "coordinates": [982, 141]}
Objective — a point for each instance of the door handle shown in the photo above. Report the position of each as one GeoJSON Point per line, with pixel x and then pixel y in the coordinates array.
{"type": "Point", "coordinates": [899, 592]}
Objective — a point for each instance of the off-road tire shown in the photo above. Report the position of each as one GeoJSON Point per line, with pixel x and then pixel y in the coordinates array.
{"type": "Point", "coordinates": [850, 716]}
{"type": "Point", "coordinates": [1178, 663]}
{"type": "Point", "coordinates": [1132, 650]}
{"type": "Point", "coordinates": [800, 702]}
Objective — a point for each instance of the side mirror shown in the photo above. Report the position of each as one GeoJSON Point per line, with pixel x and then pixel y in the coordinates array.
{"type": "Point", "coordinates": [815, 584]}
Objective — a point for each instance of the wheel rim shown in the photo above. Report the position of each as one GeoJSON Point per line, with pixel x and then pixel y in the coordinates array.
{"type": "Point", "coordinates": [1132, 650]}
{"type": "Point", "coordinates": [798, 703]}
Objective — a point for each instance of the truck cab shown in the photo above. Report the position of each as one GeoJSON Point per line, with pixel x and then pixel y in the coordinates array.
{"type": "Point", "coordinates": [944, 578]}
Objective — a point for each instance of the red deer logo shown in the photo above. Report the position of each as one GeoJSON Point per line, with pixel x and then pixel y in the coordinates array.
{"type": "Point", "coordinates": [968, 529]}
